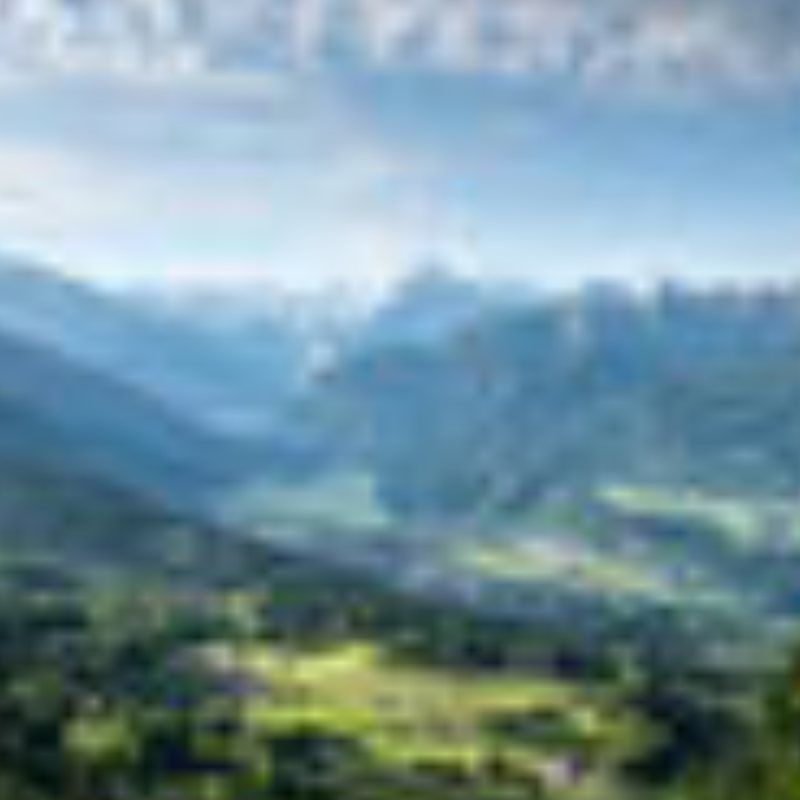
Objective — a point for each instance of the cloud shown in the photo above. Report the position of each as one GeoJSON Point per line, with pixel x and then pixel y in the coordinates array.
{"type": "Point", "coordinates": [736, 44]}
{"type": "Point", "coordinates": [130, 38]}
{"type": "Point", "coordinates": [707, 44]}
{"type": "Point", "coordinates": [219, 141]}
{"type": "Point", "coordinates": [740, 44]}
{"type": "Point", "coordinates": [297, 196]}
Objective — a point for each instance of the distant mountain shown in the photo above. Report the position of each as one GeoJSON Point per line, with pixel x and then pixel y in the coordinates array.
{"type": "Point", "coordinates": [683, 388]}
{"type": "Point", "coordinates": [232, 379]}
{"type": "Point", "coordinates": [432, 302]}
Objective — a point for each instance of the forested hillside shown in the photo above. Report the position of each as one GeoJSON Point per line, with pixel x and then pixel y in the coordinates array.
{"type": "Point", "coordinates": [297, 682]}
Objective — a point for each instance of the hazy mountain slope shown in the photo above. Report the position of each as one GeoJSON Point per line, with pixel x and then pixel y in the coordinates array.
{"type": "Point", "coordinates": [53, 408]}
{"type": "Point", "coordinates": [230, 379]}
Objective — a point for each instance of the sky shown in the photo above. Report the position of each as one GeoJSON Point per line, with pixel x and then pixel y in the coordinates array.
{"type": "Point", "coordinates": [342, 143]}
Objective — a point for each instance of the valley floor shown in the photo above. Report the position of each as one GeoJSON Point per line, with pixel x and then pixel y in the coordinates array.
{"type": "Point", "coordinates": [321, 688]}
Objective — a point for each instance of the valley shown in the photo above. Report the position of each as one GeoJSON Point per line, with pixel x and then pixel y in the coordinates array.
{"type": "Point", "coordinates": [496, 558]}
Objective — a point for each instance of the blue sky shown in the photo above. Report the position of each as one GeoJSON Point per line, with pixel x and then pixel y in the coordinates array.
{"type": "Point", "coordinates": [328, 142]}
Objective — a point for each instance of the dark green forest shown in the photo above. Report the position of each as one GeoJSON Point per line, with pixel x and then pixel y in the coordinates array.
{"type": "Point", "coordinates": [274, 679]}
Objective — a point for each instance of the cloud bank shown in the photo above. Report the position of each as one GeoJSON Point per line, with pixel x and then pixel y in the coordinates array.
{"type": "Point", "coordinates": [740, 44]}
{"type": "Point", "coordinates": [228, 140]}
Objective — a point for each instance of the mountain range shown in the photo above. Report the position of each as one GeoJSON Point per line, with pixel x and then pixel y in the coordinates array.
{"type": "Point", "coordinates": [634, 454]}
{"type": "Point", "coordinates": [684, 388]}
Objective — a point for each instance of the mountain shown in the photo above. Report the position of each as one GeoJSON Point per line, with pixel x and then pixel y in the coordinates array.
{"type": "Point", "coordinates": [684, 388]}
{"type": "Point", "coordinates": [525, 551]}
{"type": "Point", "coordinates": [232, 379]}
{"type": "Point", "coordinates": [543, 455]}
{"type": "Point", "coordinates": [601, 455]}
{"type": "Point", "coordinates": [54, 409]}
{"type": "Point", "coordinates": [431, 303]}
{"type": "Point", "coordinates": [88, 492]}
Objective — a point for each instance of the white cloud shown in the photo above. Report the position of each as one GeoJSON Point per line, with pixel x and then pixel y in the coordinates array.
{"type": "Point", "coordinates": [739, 43]}
{"type": "Point", "coordinates": [707, 44]}
{"type": "Point", "coordinates": [213, 121]}
{"type": "Point", "coordinates": [314, 200]}
{"type": "Point", "coordinates": [129, 38]}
